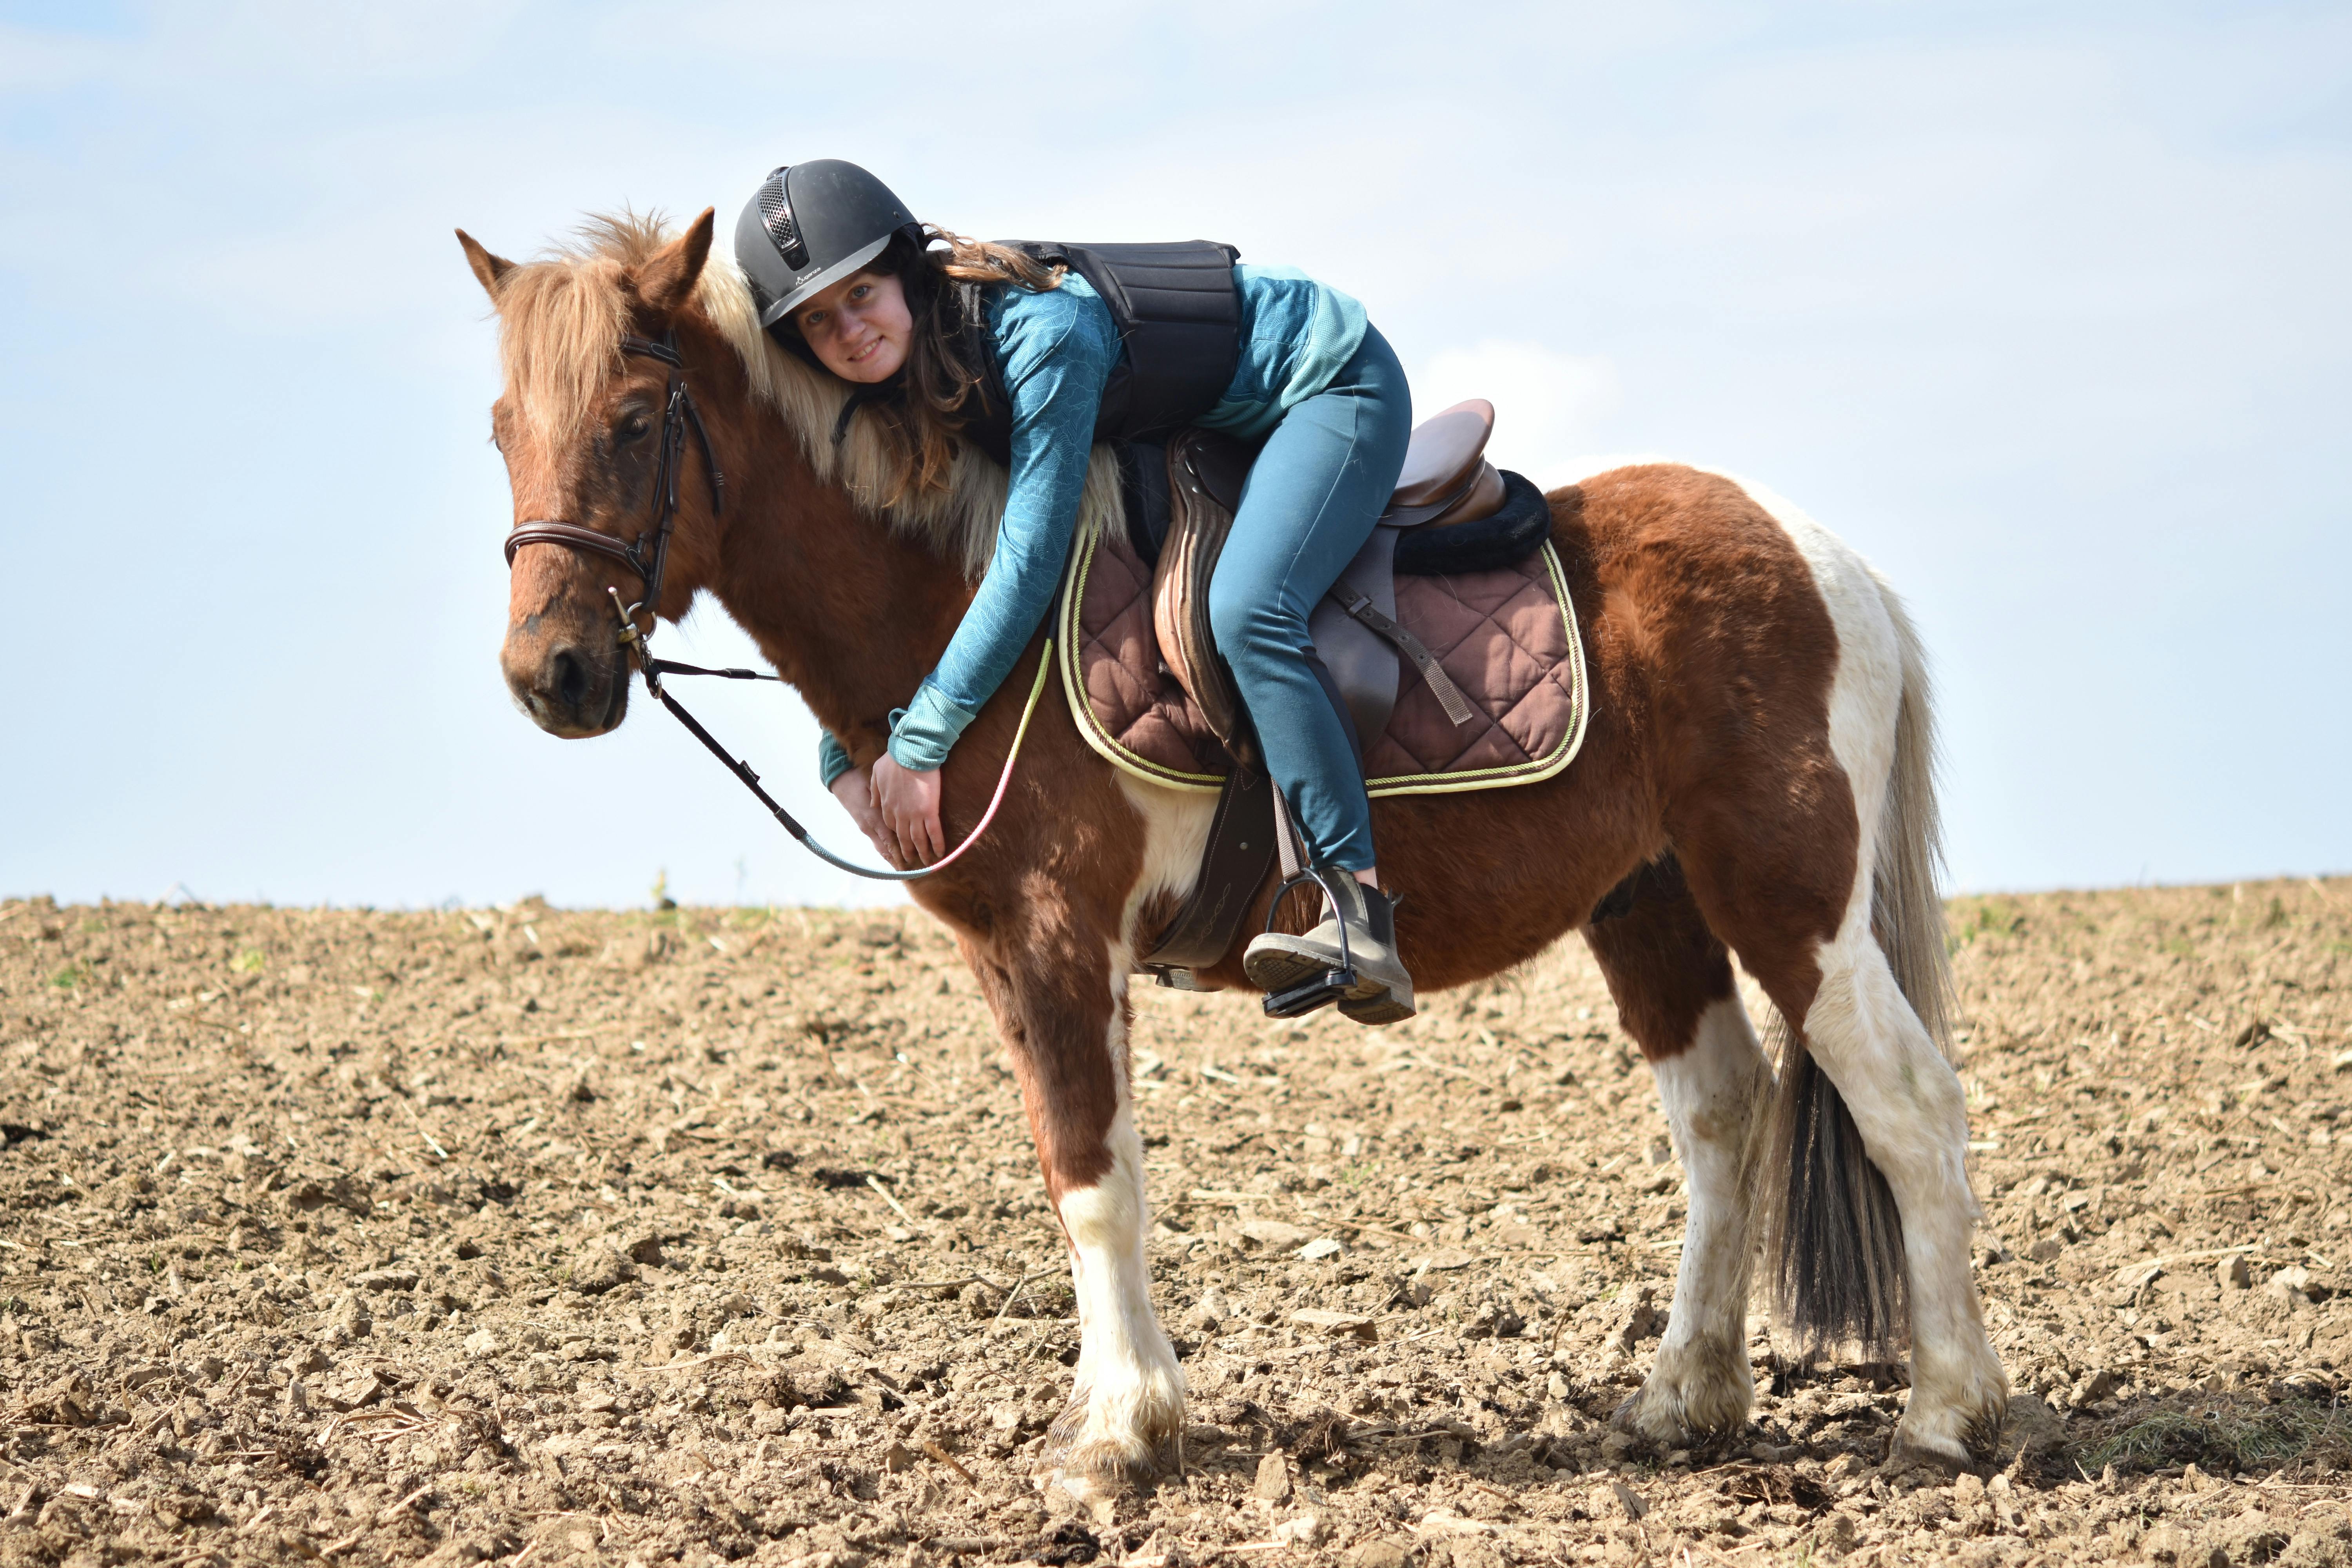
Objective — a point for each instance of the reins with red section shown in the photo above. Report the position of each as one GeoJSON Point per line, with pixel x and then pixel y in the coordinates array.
{"type": "Point", "coordinates": [649, 561]}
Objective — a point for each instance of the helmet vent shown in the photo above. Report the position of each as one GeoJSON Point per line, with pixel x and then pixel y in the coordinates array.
{"type": "Point", "coordinates": [776, 217]}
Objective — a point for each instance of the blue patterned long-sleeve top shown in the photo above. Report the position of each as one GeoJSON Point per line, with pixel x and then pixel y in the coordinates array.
{"type": "Point", "coordinates": [1054, 351]}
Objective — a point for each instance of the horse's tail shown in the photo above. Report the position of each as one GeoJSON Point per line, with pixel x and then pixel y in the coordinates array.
{"type": "Point", "coordinates": [1833, 1237]}
{"type": "Point", "coordinates": [1906, 912]}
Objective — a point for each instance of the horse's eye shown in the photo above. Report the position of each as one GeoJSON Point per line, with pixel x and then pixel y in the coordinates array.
{"type": "Point", "coordinates": [634, 427]}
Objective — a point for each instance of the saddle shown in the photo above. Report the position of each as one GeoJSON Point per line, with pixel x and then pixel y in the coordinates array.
{"type": "Point", "coordinates": [1454, 515]}
{"type": "Point", "coordinates": [1446, 483]}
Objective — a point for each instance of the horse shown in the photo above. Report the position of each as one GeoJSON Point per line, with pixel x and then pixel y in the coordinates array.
{"type": "Point", "coordinates": [1755, 780]}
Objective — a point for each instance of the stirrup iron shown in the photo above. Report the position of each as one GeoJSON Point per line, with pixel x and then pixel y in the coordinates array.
{"type": "Point", "coordinates": [1332, 984]}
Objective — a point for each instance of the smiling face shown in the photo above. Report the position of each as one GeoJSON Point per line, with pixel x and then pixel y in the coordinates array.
{"type": "Point", "coordinates": [859, 328]}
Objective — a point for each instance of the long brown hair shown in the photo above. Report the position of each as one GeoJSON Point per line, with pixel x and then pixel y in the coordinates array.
{"type": "Point", "coordinates": [945, 380]}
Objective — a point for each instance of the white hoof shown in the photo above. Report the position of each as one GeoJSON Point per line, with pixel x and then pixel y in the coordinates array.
{"type": "Point", "coordinates": [1100, 1448]}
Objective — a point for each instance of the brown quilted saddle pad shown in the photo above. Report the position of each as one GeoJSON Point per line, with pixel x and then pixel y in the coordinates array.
{"type": "Point", "coordinates": [1507, 637]}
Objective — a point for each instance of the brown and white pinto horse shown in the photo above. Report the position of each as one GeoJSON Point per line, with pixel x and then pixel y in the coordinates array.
{"type": "Point", "coordinates": [1758, 763]}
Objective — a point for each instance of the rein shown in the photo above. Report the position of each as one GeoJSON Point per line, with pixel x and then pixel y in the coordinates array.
{"type": "Point", "coordinates": [648, 556]}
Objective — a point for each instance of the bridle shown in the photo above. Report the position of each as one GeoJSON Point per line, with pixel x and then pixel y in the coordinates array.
{"type": "Point", "coordinates": [647, 555]}
{"type": "Point", "coordinates": [649, 561]}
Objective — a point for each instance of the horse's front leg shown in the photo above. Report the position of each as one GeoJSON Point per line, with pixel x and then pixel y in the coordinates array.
{"type": "Point", "coordinates": [1060, 997]}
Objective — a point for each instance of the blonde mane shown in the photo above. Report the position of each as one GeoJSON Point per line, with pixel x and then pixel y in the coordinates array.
{"type": "Point", "coordinates": [560, 320]}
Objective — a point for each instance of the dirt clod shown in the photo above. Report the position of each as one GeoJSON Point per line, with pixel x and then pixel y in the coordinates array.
{"type": "Point", "coordinates": [598, 1268]}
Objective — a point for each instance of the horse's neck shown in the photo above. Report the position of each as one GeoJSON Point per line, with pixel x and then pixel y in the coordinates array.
{"type": "Point", "coordinates": [848, 612]}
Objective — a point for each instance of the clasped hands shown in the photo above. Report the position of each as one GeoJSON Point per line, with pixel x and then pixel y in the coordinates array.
{"type": "Point", "coordinates": [896, 807]}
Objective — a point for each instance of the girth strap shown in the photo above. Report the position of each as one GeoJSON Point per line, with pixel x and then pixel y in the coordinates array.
{"type": "Point", "coordinates": [1241, 849]}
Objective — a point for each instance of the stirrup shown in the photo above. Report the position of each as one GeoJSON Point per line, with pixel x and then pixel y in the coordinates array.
{"type": "Point", "coordinates": [1298, 1000]}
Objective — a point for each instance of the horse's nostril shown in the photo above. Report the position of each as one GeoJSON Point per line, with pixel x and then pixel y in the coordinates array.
{"type": "Point", "coordinates": [569, 674]}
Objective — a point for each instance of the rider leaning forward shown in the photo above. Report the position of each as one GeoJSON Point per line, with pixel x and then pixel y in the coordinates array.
{"type": "Point", "coordinates": [952, 340]}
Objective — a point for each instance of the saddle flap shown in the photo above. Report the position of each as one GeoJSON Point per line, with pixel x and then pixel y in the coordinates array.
{"type": "Point", "coordinates": [1362, 666]}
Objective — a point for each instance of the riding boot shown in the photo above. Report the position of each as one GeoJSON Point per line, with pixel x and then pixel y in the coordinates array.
{"type": "Point", "coordinates": [1382, 992]}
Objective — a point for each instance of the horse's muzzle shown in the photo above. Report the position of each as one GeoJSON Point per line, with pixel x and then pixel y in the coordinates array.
{"type": "Point", "coordinates": [572, 690]}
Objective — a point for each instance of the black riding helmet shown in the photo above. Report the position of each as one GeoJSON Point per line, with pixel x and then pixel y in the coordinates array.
{"type": "Point", "coordinates": [811, 224]}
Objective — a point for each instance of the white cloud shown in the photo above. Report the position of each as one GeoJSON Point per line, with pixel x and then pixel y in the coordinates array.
{"type": "Point", "coordinates": [1549, 407]}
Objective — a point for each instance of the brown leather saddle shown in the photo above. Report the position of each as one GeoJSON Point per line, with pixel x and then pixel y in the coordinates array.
{"type": "Point", "coordinates": [1446, 482]}
{"type": "Point", "coordinates": [1452, 511]}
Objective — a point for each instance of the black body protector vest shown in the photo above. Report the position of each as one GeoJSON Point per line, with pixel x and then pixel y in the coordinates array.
{"type": "Point", "coordinates": [1178, 312]}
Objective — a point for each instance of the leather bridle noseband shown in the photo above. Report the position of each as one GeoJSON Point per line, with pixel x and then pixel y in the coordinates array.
{"type": "Point", "coordinates": [648, 556]}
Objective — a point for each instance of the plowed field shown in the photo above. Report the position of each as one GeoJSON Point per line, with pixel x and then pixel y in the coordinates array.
{"type": "Point", "coordinates": [556, 1235]}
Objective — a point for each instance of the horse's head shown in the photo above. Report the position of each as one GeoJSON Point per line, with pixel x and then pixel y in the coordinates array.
{"type": "Point", "coordinates": [581, 424]}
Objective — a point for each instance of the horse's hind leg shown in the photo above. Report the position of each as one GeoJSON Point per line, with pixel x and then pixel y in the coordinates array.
{"type": "Point", "coordinates": [1673, 985]}
{"type": "Point", "coordinates": [1841, 1272]}
{"type": "Point", "coordinates": [1908, 1103]}
{"type": "Point", "coordinates": [1813, 858]}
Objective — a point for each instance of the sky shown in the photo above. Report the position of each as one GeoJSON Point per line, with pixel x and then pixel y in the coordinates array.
{"type": "Point", "coordinates": [2041, 307]}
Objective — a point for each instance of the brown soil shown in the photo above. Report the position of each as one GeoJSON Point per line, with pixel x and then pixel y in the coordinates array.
{"type": "Point", "coordinates": [564, 1236]}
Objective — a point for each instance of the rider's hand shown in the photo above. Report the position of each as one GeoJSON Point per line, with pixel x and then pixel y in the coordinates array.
{"type": "Point", "coordinates": [908, 804]}
{"type": "Point", "coordinates": [855, 790]}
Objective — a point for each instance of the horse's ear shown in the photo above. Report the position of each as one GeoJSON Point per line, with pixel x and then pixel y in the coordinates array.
{"type": "Point", "coordinates": [665, 282]}
{"type": "Point", "coordinates": [490, 269]}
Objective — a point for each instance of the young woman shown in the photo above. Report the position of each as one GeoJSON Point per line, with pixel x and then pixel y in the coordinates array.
{"type": "Point", "coordinates": [950, 339]}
